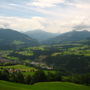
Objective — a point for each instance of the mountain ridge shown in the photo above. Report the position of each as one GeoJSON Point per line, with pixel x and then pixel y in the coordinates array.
{"type": "Point", "coordinates": [41, 35]}
{"type": "Point", "coordinates": [71, 36]}
{"type": "Point", "coordinates": [12, 38]}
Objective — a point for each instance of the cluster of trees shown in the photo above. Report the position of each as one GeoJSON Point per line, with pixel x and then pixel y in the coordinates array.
{"type": "Point", "coordinates": [71, 63]}
{"type": "Point", "coordinates": [41, 76]}
{"type": "Point", "coordinates": [78, 78]}
{"type": "Point", "coordinates": [38, 76]}
{"type": "Point", "coordinates": [81, 79]}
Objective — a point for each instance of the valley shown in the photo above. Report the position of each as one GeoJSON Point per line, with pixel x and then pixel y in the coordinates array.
{"type": "Point", "coordinates": [57, 62]}
{"type": "Point", "coordinates": [44, 45]}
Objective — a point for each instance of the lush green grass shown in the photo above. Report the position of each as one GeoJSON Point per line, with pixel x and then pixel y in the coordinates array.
{"type": "Point", "coordinates": [20, 67]}
{"type": "Point", "coordinates": [12, 86]}
{"type": "Point", "coordinates": [58, 86]}
{"type": "Point", "coordinates": [26, 70]}
{"type": "Point", "coordinates": [42, 86]}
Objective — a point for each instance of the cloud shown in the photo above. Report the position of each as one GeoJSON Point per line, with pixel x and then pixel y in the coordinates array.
{"type": "Point", "coordinates": [84, 4]}
{"type": "Point", "coordinates": [47, 24]}
{"type": "Point", "coordinates": [22, 24]}
{"type": "Point", "coordinates": [49, 15]}
{"type": "Point", "coordinates": [81, 27]}
{"type": "Point", "coordinates": [53, 3]}
{"type": "Point", "coordinates": [45, 3]}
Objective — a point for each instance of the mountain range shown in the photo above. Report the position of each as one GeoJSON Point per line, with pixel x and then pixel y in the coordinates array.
{"type": "Point", "coordinates": [14, 39]}
{"type": "Point", "coordinates": [69, 37]}
{"type": "Point", "coordinates": [41, 35]}
{"type": "Point", "coordinates": [11, 38]}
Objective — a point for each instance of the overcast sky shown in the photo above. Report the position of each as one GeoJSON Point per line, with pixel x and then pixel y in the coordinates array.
{"type": "Point", "coordinates": [49, 15]}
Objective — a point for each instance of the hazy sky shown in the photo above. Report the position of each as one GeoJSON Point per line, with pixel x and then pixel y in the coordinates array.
{"type": "Point", "coordinates": [49, 15]}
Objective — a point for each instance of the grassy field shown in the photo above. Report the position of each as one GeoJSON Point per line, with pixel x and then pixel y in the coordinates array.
{"type": "Point", "coordinates": [42, 86]}
{"type": "Point", "coordinates": [26, 69]}
{"type": "Point", "coordinates": [20, 67]}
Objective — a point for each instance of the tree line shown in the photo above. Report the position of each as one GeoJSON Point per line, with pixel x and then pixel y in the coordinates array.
{"type": "Point", "coordinates": [38, 76]}
{"type": "Point", "coordinates": [41, 76]}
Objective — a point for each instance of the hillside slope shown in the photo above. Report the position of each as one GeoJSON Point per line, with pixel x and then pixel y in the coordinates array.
{"type": "Point", "coordinates": [11, 39]}
{"type": "Point", "coordinates": [42, 86]}
{"type": "Point", "coordinates": [69, 37]}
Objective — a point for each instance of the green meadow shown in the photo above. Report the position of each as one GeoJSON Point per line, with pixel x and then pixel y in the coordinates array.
{"type": "Point", "coordinates": [4, 85]}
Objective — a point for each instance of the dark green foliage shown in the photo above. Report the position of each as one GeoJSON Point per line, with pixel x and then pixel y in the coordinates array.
{"type": "Point", "coordinates": [19, 77]}
{"type": "Point", "coordinates": [70, 63]}
{"type": "Point", "coordinates": [14, 76]}
{"type": "Point", "coordinates": [50, 76]}
{"type": "Point", "coordinates": [81, 79]}
{"type": "Point", "coordinates": [54, 76]}
{"type": "Point", "coordinates": [58, 76]}
{"type": "Point", "coordinates": [4, 75]}
{"type": "Point", "coordinates": [28, 79]}
{"type": "Point", "coordinates": [39, 76]}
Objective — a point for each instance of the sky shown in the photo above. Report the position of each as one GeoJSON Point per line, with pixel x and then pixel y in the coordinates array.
{"type": "Point", "coordinates": [57, 16]}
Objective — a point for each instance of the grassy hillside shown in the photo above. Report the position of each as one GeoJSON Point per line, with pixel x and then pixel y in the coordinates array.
{"type": "Point", "coordinates": [58, 86]}
{"type": "Point", "coordinates": [42, 86]}
{"type": "Point", "coordinates": [11, 86]}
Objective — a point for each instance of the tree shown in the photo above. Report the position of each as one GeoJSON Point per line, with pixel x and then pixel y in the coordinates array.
{"type": "Point", "coordinates": [54, 76]}
{"type": "Point", "coordinates": [81, 79]}
{"type": "Point", "coordinates": [39, 76]}
{"type": "Point", "coordinates": [12, 77]}
{"type": "Point", "coordinates": [28, 79]}
{"type": "Point", "coordinates": [50, 76]}
{"type": "Point", "coordinates": [19, 77]}
{"type": "Point", "coordinates": [58, 76]}
{"type": "Point", "coordinates": [5, 75]}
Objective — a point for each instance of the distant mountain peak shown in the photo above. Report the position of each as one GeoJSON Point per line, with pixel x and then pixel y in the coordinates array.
{"type": "Point", "coordinates": [12, 38]}
{"type": "Point", "coordinates": [41, 35]}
